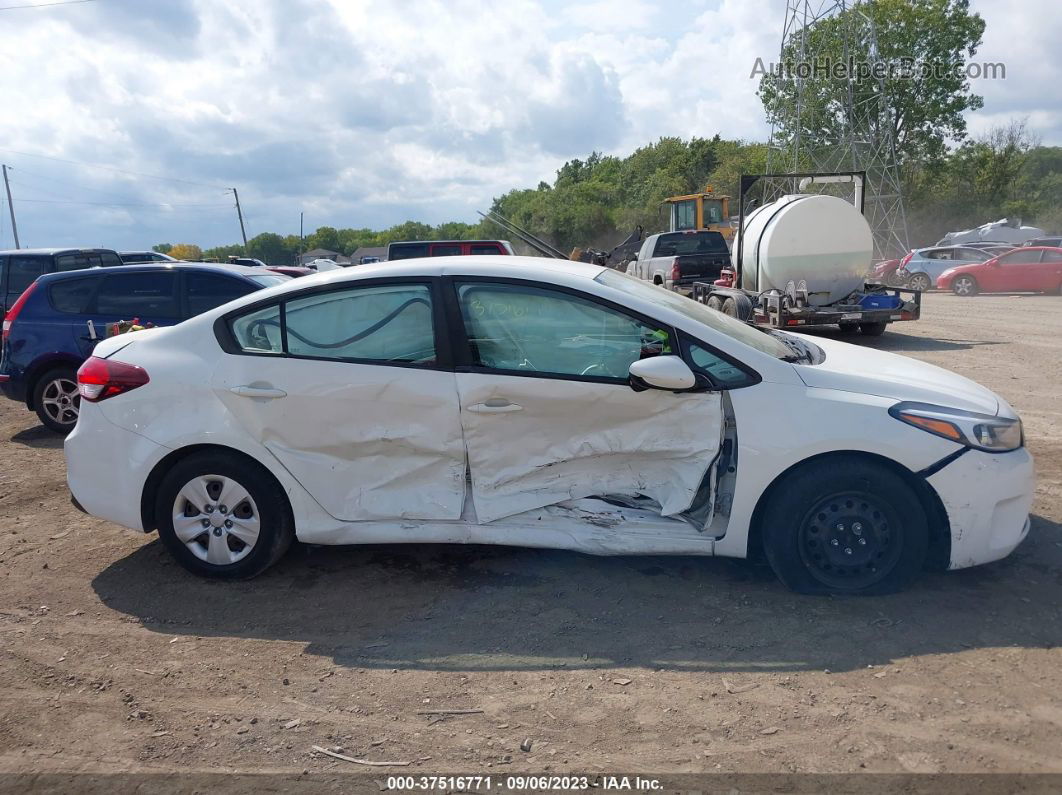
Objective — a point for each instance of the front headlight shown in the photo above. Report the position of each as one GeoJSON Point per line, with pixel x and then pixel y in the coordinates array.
{"type": "Point", "coordinates": [986, 432]}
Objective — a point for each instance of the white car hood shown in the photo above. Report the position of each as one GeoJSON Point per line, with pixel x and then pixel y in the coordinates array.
{"type": "Point", "coordinates": [853, 368]}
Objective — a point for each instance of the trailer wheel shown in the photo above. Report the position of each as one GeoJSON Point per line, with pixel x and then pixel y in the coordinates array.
{"type": "Point", "coordinates": [730, 307]}
{"type": "Point", "coordinates": [872, 329]}
{"type": "Point", "coordinates": [848, 328]}
{"type": "Point", "coordinates": [715, 302]}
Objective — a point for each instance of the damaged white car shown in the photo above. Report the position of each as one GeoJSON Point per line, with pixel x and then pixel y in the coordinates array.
{"type": "Point", "coordinates": [540, 403]}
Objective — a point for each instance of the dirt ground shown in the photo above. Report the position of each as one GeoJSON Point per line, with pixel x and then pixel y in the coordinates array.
{"type": "Point", "coordinates": [115, 659]}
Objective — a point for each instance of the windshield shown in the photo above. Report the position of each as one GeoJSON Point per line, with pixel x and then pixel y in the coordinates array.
{"type": "Point", "coordinates": [717, 321]}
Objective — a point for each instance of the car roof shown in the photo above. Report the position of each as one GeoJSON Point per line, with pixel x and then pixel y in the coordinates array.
{"type": "Point", "coordinates": [52, 251]}
{"type": "Point", "coordinates": [497, 265]}
{"type": "Point", "coordinates": [141, 251]}
{"type": "Point", "coordinates": [150, 267]}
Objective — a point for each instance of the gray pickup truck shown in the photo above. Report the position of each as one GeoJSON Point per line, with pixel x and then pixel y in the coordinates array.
{"type": "Point", "coordinates": [676, 260]}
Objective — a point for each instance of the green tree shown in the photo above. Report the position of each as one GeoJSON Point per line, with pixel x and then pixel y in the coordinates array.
{"type": "Point", "coordinates": [186, 251]}
{"type": "Point", "coordinates": [928, 106]}
{"type": "Point", "coordinates": [271, 249]}
{"type": "Point", "coordinates": [162, 248]}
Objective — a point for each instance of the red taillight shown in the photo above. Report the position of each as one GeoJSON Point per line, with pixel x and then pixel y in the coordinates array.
{"type": "Point", "coordinates": [905, 260]}
{"type": "Point", "coordinates": [12, 313]}
{"type": "Point", "coordinates": [676, 272]}
{"type": "Point", "coordinates": [99, 379]}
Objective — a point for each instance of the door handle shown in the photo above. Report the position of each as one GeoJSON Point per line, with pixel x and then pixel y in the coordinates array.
{"type": "Point", "coordinates": [258, 392]}
{"type": "Point", "coordinates": [495, 406]}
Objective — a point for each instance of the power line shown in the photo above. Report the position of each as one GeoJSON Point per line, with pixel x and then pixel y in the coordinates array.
{"type": "Point", "coordinates": [116, 204]}
{"type": "Point", "coordinates": [64, 183]}
{"type": "Point", "coordinates": [45, 5]}
{"type": "Point", "coordinates": [115, 170]}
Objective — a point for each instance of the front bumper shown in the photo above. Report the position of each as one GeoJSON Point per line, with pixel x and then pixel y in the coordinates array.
{"type": "Point", "coordinates": [987, 497]}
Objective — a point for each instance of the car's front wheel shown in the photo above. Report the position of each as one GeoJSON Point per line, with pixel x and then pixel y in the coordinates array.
{"type": "Point", "coordinates": [965, 286]}
{"type": "Point", "coordinates": [223, 516]}
{"type": "Point", "coordinates": [847, 525]}
{"type": "Point", "coordinates": [56, 400]}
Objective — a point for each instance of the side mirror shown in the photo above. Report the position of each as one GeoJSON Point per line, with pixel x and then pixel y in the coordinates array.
{"type": "Point", "coordinates": [662, 372]}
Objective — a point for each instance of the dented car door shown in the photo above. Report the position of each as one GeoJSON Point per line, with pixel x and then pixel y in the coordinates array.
{"type": "Point", "coordinates": [547, 410]}
{"type": "Point", "coordinates": [349, 390]}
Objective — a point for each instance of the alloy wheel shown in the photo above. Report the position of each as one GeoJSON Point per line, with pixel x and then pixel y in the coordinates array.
{"type": "Point", "coordinates": [216, 518]}
{"type": "Point", "coordinates": [920, 282]}
{"type": "Point", "coordinates": [964, 285]}
{"type": "Point", "coordinates": [61, 401]}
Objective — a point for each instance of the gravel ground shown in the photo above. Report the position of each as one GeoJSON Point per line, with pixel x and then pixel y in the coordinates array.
{"type": "Point", "coordinates": [114, 659]}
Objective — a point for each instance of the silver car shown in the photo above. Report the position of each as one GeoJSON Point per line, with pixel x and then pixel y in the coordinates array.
{"type": "Point", "coordinates": [922, 266]}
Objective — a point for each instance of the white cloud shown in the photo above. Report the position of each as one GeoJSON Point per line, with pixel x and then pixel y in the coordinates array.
{"type": "Point", "coordinates": [369, 113]}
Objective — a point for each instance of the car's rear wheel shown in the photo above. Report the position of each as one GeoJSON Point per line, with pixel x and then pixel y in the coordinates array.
{"type": "Point", "coordinates": [845, 525]}
{"type": "Point", "coordinates": [223, 516]}
{"type": "Point", "coordinates": [56, 400]}
{"type": "Point", "coordinates": [964, 285]}
{"type": "Point", "coordinates": [920, 282]}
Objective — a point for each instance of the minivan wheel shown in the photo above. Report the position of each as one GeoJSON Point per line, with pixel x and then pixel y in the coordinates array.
{"type": "Point", "coordinates": [223, 516]}
{"type": "Point", "coordinates": [56, 400]}
{"type": "Point", "coordinates": [846, 525]}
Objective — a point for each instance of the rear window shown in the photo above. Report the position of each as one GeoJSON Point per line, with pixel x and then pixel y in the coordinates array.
{"type": "Point", "coordinates": [407, 250]}
{"type": "Point", "coordinates": [86, 259]}
{"type": "Point", "coordinates": [446, 250]}
{"type": "Point", "coordinates": [486, 248]}
{"type": "Point", "coordinates": [676, 244]}
{"type": "Point", "coordinates": [146, 295]}
{"type": "Point", "coordinates": [72, 295]}
{"type": "Point", "coordinates": [133, 258]}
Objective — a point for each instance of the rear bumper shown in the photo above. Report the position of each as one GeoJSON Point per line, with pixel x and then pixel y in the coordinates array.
{"type": "Point", "coordinates": [987, 497]}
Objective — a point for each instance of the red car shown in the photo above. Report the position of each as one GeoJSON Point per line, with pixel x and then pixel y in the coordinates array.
{"type": "Point", "coordinates": [1035, 269]}
{"type": "Point", "coordinates": [884, 272]}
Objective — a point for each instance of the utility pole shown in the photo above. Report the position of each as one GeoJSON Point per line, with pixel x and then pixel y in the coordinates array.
{"type": "Point", "coordinates": [239, 214]}
{"type": "Point", "coordinates": [302, 240]}
{"type": "Point", "coordinates": [11, 207]}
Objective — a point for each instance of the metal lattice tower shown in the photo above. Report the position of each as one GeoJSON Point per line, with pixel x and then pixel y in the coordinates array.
{"type": "Point", "coordinates": [852, 129]}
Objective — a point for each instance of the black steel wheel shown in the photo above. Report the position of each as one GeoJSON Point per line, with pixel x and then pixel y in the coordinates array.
{"type": "Point", "coordinates": [846, 524]}
{"type": "Point", "coordinates": [847, 540]}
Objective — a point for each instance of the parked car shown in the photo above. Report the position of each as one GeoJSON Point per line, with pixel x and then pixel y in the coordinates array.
{"type": "Point", "coordinates": [137, 257]}
{"type": "Point", "coordinates": [46, 335]}
{"type": "Point", "coordinates": [921, 267]}
{"type": "Point", "coordinates": [676, 260]}
{"type": "Point", "coordinates": [887, 272]}
{"type": "Point", "coordinates": [250, 262]}
{"type": "Point", "coordinates": [19, 267]}
{"type": "Point", "coordinates": [410, 249]}
{"type": "Point", "coordinates": [294, 271]}
{"type": "Point", "coordinates": [1051, 242]}
{"type": "Point", "coordinates": [541, 403]}
{"type": "Point", "coordinates": [1022, 269]}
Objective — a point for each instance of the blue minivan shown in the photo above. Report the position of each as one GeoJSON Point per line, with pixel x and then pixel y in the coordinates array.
{"type": "Point", "coordinates": [54, 325]}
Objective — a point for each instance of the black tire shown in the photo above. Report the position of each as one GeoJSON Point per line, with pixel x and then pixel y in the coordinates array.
{"type": "Point", "coordinates": [872, 329]}
{"type": "Point", "coordinates": [964, 285]}
{"type": "Point", "coordinates": [730, 307]}
{"type": "Point", "coordinates": [715, 302]}
{"type": "Point", "coordinates": [920, 282]}
{"type": "Point", "coordinates": [267, 501]}
{"type": "Point", "coordinates": [56, 403]}
{"type": "Point", "coordinates": [848, 328]}
{"type": "Point", "coordinates": [845, 525]}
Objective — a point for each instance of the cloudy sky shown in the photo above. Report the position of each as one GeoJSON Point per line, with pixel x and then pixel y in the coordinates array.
{"type": "Point", "coordinates": [363, 113]}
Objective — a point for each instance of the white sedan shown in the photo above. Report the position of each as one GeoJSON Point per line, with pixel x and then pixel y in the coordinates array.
{"type": "Point", "coordinates": [540, 403]}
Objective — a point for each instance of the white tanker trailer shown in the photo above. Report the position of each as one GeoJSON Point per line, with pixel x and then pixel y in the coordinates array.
{"type": "Point", "coordinates": [802, 260]}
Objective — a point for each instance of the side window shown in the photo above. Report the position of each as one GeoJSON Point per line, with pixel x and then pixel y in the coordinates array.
{"type": "Point", "coordinates": [1052, 256]}
{"type": "Point", "coordinates": [408, 251]}
{"type": "Point", "coordinates": [391, 323]}
{"type": "Point", "coordinates": [259, 332]}
{"type": "Point", "coordinates": [22, 272]}
{"type": "Point", "coordinates": [149, 296]}
{"type": "Point", "coordinates": [72, 295]}
{"type": "Point", "coordinates": [206, 291]}
{"type": "Point", "coordinates": [109, 259]}
{"type": "Point", "coordinates": [724, 374]}
{"type": "Point", "coordinates": [1020, 257]}
{"type": "Point", "coordinates": [685, 213]}
{"type": "Point", "coordinates": [973, 254]}
{"type": "Point", "coordinates": [535, 330]}
{"type": "Point", "coordinates": [486, 248]}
